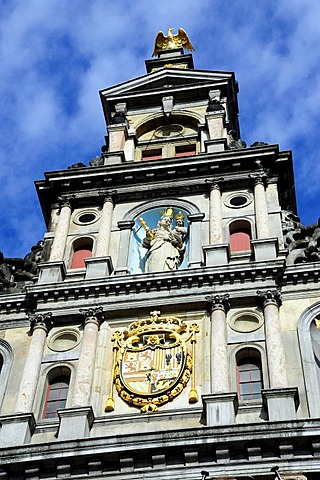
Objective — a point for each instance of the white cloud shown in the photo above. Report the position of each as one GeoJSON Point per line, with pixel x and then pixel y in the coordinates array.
{"type": "Point", "coordinates": [56, 57]}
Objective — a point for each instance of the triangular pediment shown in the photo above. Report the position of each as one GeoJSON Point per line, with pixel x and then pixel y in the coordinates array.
{"type": "Point", "coordinates": [167, 78]}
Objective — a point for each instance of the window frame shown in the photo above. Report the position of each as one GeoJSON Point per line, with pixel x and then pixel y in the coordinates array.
{"type": "Point", "coordinates": [49, 371]}
{"type": "Point", "coordinates": [233, 351]}
{"type": "Point", "coordinates": [78, 242]}
{"type": "Point", "coordinates": [58, 401]}
{"type": "Point", "coordinates": [249, 358]}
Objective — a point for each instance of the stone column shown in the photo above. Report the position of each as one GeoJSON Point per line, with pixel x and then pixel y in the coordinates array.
{"type": "Point", "coordinates": [281, 400]}
{"type": "Point", "coordinates": [216, 253]}
{"type": "Point", "coordinates": [260, 205]}
{"type": "Point", "coordinates": [100, 265]}
{"type": "Point", "coordinates": [40, 325]}
{"type": "Point", "coordinates": [76, 421]}
{"type": "Point", "coordinates": [216, 231]}
{"type": "Point", "coordinates": [85, 368]}
{"type": "Point", "coordinates": [61, 233]}
{"type": "Point", "coordinates": [104, 235]}
{"type": "Point", "coordinates": [123, 255]}
{"type": "Point", "coordinates": [221, 404]}
{"type": "Point", "coordinates": [195, 251]}
{"type": "Point", "coordinates": [271, 301]}
{"type": "Point", "coordinates": [219, 345]}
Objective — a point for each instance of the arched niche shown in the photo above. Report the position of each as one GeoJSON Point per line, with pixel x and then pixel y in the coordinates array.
{"type": "Point", "coordinates": [309, 340]}
{"type": "Point", "coordinates": [160, 136]}
{"type": "Point", "coordinates": [6, 359]}
{"type": "Point", "coordinates": [188, 120]}
{"type": "Point", "coordinates": [147, 215]}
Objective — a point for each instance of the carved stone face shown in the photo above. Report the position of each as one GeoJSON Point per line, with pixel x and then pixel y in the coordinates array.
{"type": "Point", "coordinates": [165, 222]}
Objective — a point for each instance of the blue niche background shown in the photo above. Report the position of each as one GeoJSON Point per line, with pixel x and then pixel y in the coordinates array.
{"type": "Point", "coordinates": [138, 253]}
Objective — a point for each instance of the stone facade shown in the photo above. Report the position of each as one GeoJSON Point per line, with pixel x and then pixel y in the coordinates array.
{"type": "Point", "coordinates": [205, 365]}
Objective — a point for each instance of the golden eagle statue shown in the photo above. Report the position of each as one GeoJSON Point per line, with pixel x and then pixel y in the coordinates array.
{"type": "Point", "coordinates": [170, 41]}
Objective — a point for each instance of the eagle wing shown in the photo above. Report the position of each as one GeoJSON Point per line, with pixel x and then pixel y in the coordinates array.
{"type": "Point", "coordinates": [184, 40]}
{"type": "Point", "coordinates": [160, 43]}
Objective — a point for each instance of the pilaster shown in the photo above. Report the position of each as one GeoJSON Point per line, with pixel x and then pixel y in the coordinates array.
{"type": "Point", "coordinates": [123, 255]}
{"type": "Point", "coordinates": [195, 251]}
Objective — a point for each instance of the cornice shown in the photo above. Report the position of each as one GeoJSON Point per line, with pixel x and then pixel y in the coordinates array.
{"type": "Point", "coordinates": [257, 447]}
{"type": "Point", "coordinates": [116, 292]}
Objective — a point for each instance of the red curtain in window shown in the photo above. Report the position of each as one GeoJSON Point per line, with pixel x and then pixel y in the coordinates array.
{"type": "Point", "coordinates": [185, 150]}
{"type": "Point", "coordinates": [240, 241]}
{"type": "Point", "coordinates": [79, 255]}
{"type": "Point", "coordinates": [152, 155]}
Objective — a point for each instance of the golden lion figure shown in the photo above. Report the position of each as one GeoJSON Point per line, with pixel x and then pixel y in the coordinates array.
{"type": "Point", "coordinates": [170, 41]}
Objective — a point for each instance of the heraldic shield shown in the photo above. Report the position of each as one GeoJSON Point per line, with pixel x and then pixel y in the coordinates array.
{"type": "Point", "coordinates": [152, 364]}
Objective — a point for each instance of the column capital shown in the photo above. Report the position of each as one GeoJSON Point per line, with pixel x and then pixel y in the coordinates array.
{"type": "Point", "coordinates": [215, 184]}
{"type": "Point", "coordinates": [269, 297]}
{"type": "Point", "coordinates": [219, 302]}
{"type": "Point", "coordinates": [92, 315]}
{"type": "Point", "coordinates": [108, 196]}
{"type": "Point", "coordinates": [40, 320]}
{"type": "Point", "coordinates": [259, 178]}
{"type": "Point", "coordinates": [66, 202]}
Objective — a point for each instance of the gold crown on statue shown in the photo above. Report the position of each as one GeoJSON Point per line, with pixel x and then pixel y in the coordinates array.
{"type": "Point", "coordinates": [180, 216]}
{"type": "Point", "coordinates": [168, 212]}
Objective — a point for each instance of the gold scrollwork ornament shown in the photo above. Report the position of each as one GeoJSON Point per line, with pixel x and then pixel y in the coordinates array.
{"type": "Point", "coordinates": [152, 364]}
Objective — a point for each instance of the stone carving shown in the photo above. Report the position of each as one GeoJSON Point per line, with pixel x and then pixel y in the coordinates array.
{"type": "Point", "coordinates": [235, 143]}
{"type": "Point", "coordinates": [266, 297]}
{"type": "Point", "coordinates": [221, 302]}
{"type": "Point", "coordinates": [77, 165]}
{"type": "Point", "coordinates": [303, 243]}
{"type": "Point", "coordinates": [96, 161]}
{"type": "Point", "coordinates": [14, 270]}
{"type": "Point", "coordinates": [42, 320]}
{"type": "Point", "coordinates": [94, 315]}
{"type": "Point", "coordinates": [30, 263]}
{"type": "Point", "coordinates": [258, 144]}
{"type": "Point", "coordinates": [164, 243]}
{"type": "Point", "coordinates": [6, 273]}
{"type": "Point", "coordinates": [215, 106]}
{"type": "Point", "coordinates": [118, 118]}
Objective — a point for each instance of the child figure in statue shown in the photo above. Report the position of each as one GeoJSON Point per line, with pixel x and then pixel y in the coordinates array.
{"type": "Point", "coordinates": [165, 244]}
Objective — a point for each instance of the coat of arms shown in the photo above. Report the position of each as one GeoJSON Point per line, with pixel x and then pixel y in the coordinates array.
{"type": "Point", "coordinates": [152, 364]}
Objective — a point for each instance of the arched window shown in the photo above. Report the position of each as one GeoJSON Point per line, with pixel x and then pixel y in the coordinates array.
{"type": "Point", "coordinates": [240, 236]}
{"type": "Point", "coordinates": [57, 392]}
{"type": "Point", "coordinates": [6, 358]}
{"type": "Point", "coordinates": [249, 374]}
{"type": "Point", "coordinates": [82, 248]}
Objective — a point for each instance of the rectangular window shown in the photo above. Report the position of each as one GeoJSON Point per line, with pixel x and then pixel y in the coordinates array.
{"type": "Point", "coordinates": [185, 150]}
{"type": "Point", "coordinates": [154, 154]}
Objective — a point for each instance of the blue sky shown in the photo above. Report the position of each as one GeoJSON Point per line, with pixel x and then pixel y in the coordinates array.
{"type": "Point", "coordinates": [55, 56]}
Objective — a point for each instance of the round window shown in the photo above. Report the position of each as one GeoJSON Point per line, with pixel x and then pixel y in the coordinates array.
{"type": "Point", "coordinates": [64, 340]}
{"type": "Point", "coordinates": [246, 322]}
{"type": "Point", "coordinates": [86, 217]}
{"type": "Point", "coordinates": [238, 200]}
